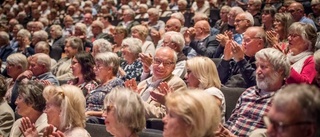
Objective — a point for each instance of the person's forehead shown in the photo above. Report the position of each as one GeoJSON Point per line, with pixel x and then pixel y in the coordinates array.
{"type": "Point", "coordinates": [240, 16]}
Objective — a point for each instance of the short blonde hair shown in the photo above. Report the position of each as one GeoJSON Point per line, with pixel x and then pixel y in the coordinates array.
{"type": "Point", "coordinates": [196, 108]}
{"type": "Point", "coordinates": [72, 104]}
{"type": "Point", "coordinates": [142, 30]}
{"type": "Point", "coordinates": [204, 69]}
{"type": "Point", "coordinates": [129, 108]}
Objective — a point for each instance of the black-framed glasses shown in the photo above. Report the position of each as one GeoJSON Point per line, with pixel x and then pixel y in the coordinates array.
{"type": "Point", "coordinates": [158, 61]}
{"type": "Point", "coordinates": [281, 126]}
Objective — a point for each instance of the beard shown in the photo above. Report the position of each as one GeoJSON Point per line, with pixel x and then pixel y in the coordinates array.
{"type": "Point", "coordinates": [267, 81]}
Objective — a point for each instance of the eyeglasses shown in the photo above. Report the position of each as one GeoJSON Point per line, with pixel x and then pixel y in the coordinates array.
{"type": "Point", "coordinates": [280, 126]}
{"type": "Point", "coordinates": [107, 109]}
{"type": "Point", "coordinates": [247, 40]}
{"type": "Point", "coordinates": [292, 11]}
{"type": "Point", "coordinates": [158, 61]}
{"type": "Point", "coordinates": [293, 35]}
{"type": "Point", "coordinates": [238, 21]}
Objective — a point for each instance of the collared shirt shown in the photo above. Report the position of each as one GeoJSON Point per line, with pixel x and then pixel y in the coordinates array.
{"type": "Point", "coordinates": [47, 76]}
{"type": "Point", "coordinates": [249, 110]}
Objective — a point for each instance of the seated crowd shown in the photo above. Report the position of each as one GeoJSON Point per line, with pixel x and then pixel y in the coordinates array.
{"type": "Point", "coordinates": [66, 63]}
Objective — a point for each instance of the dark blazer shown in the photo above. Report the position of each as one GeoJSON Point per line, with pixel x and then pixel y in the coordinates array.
{"type": "Point", "coordinates": [57, 48]}
{"type": "Point", "coordinates": [5, 52]}
{"type": "Point", "coordinates": [207, 48]}
{"type": "Point", "coordinates": [105, 36]}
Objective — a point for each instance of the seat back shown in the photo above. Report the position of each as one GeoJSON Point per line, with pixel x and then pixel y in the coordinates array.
{"type": "Point", "coordinates": [150, 133]}
{"type": "Point", "coordinates": [231, 95]}
{"type": "Point", "coordinates": [154, 123]}
{"type": "Point", "coordinates": [97, 130]}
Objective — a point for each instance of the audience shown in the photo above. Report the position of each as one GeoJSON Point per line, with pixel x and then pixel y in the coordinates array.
{"type": "Point", "coordinates": [152, 56]}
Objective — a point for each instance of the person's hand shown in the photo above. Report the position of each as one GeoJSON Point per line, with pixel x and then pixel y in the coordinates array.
{"type": "Point", "coordinates": [48, 131]}
{"type": "Point", "coordinates": [272, 37]}
{"type": "Point", "coordinates": [44, 82]}
{"type": "Point", "coordinates": [222, 39]}
{"type": "Point", "coordinates": [155, 35]}
{"type": "Point", "coordinates": [189, 34]}
{"type": "Point", "coordinates": [237, 51]}
{"type": "Point", "coordinates": [227, 51]}
{"type": "Point", "coordinates": [146, 60]}
{"type": "Point", "coordinates": [27, 128]}
{"type": "Point", "coordinates": [223, 132]}
{"type": "Point", "coordinates": [26, 74]}
{"type": "Point", "coordinates": [131, 84]}
{"type": "Point", "coordinates": [164, 89]}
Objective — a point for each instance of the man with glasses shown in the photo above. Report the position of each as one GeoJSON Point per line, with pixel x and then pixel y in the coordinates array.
{"type": "Point", "coordinates": [237, 67]}
{"type": "Point", "coordinates": [163, 65]}
{"type": "Point", "coordinates": [297, 11]}
{"type": "Point", "coordinates": [272, 68]}
{"type": "Point", "coordinates": [294, 113]}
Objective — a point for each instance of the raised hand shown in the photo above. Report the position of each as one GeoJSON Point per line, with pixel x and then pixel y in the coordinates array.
{"type": "Point", "coordinates": [48, 131]}
{"type": "Point", "coordinates": [131, 84]}
{"type": "Point", "coordinates": [237, 51]}
{"type": "Point", "coordinates": [227, 51]}
{"type": "Point", "coordinates": [146, 60]}
{"type": "Point", "coordinates": [27, 128]}
{"type": "Point", "coordinates": [272, 37]}
{"type": "Point", "coordinates": [164, 89]}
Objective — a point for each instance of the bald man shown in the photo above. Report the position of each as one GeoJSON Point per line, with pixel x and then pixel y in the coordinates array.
{"type": "Point", "coordinates": [297, 11]}
{"type": "Point", "coordinates": [200, 40]}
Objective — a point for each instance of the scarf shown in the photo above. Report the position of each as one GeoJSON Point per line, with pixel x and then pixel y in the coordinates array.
{"type": "Point", "coordinates": [297, 61]}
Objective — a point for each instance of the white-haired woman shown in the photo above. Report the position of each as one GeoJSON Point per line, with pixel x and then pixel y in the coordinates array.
{"type": "Point", "coordinates": [65, 111]}
{"type": "Point", "coordinates": [132, 66]}
{"type": "Point", "coordinates": [302, 38]}
{"type": "Point", "coordinates": [23, 38]}
{"type": "Point", "coordinates": [106, 69]}
{"type": "Point", "coordinates": [124, 113]}
{"type": "Point", "coordinates": [101, 46]}
{"type": "Point", "coordinates": [141, 32]}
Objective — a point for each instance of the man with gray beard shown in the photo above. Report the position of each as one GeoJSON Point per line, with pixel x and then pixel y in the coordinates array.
{"type": "Point", "coordinates": [272, 69]}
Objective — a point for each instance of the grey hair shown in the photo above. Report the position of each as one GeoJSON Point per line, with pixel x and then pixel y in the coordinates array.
{"type": "Point", "coordinates": [313, 2]}
{"type": "Point", "coordinates": [41, 34]}
{"type": "Point", "coordinates": [24, 33]}
{"type": "Point", "coordinates": [75, 43]}
{"type": "Point", "coordinates": [249, 17]}
{"type": "Point", "coordinates": [18, 59]}
{"type": "Point", "coordinates": [131, 12]}
{"type": "Point", "coordinates": [43, 59]}
{"type": "Point", "coordinates": [154, 11]}
{"type": "Point", "coordinates": [179, 16]}
{"type": "Point", "coordinates": [237, 10]}
{"type": "Point", "coordinates": [109, 59]}
{"type": "Point", "coordinates": [103, 45]}
{"type": "Point", "coordinates": [184, 2]}
{"type": "Point", "coordinates": [58, 29]}
{"type": "Point", "coordinates": [316, 58]}
{"type": "Point", "coordinates": [303, 97]}
{"type": "Point", "coordinates": [175, 56]}
{"type": "Point", "coordinates": [277, 59]}
{"type": "Point", "coordinates": [98, 23]}
{"type": "Point", "coordinates": [5, 36]}
{"type": "Point", "coordinates": [134, 45]}
{"type": "Point", "coordinates": [82, 27]}
{"type": "Point", "coordinates": [44, 21]}
{"type": "Point", "coordinates": [164, 2]}
{"type": "Point", "coordinates": [176, 38]}
{"type": "Point", "coordinates": [257, 2]}
{"type": "Point", "coordinates": [129, 108]}
{"type": "Point", "coordinates": [226, 7]}
{"type": "Point", "coordinates": [307, 32]}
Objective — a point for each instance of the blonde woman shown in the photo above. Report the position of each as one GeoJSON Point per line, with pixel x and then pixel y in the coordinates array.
{"type": "Point", "coordinates": [191, 113]}
{"type": "Point", "coordinates": [65, 111]}
{"type": "Point", "coordinates": [141, 32]}
{"type": "Point", "coordinates": [202, 74]}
